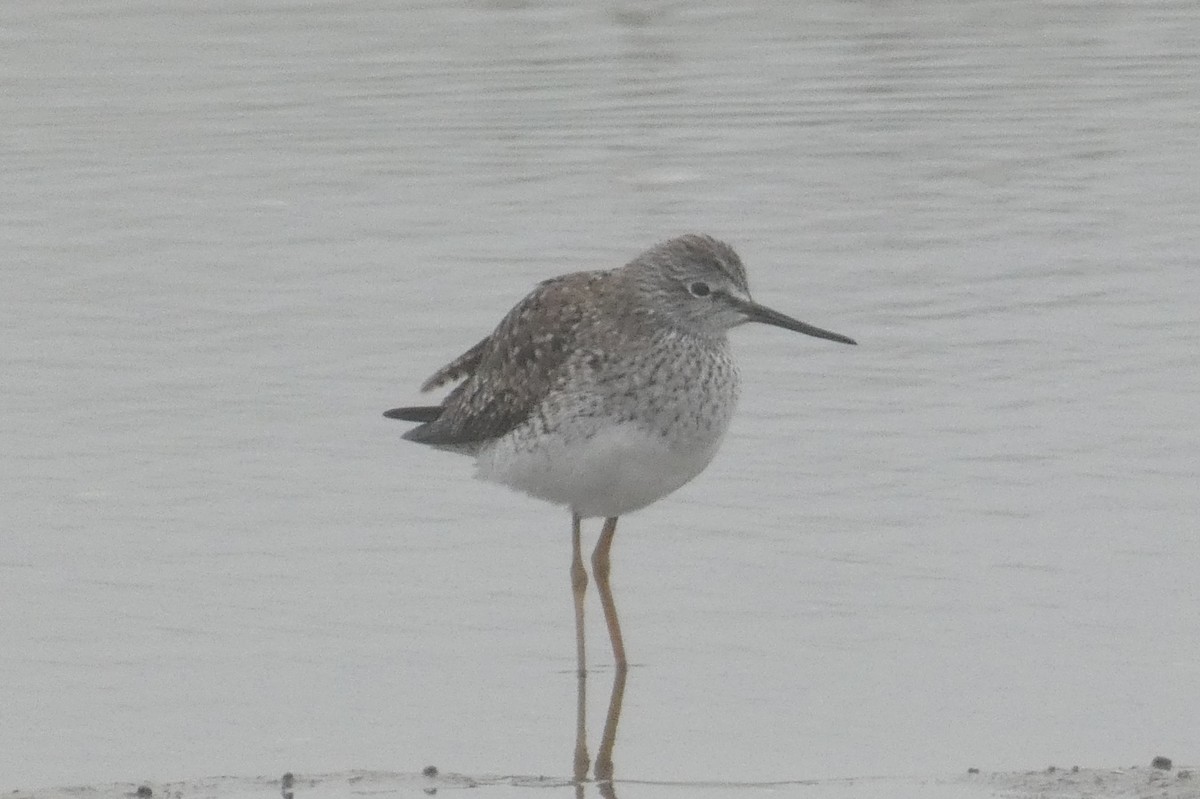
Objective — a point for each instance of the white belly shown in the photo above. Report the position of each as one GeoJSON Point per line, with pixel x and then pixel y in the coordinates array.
{"type": "Point", "coordinates": [609, 472]}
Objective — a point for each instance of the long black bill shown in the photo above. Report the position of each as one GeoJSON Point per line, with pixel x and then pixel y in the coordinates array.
{"type": "Point", "coordinates": [761, 313]}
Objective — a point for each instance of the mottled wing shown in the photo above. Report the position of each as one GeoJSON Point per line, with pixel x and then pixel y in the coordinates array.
{"type": "Point", "coordinates": [511, 371]}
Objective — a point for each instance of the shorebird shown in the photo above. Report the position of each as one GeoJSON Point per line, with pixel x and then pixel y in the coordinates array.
{"type": "Point", "coordinates": [603, 392]}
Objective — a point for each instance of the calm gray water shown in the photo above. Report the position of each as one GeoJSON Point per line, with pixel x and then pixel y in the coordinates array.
{"type": "Point", "coordinates": [235, 233]}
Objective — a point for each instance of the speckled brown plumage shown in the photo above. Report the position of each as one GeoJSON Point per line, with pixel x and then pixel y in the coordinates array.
{"type": "Point", "coordinates": [642, 346]}
{"type": "Point", "coordinates": [568, 324]}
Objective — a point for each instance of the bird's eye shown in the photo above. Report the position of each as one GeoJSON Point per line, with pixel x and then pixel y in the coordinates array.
{"type": "Point", "coordinates": [699, 289]}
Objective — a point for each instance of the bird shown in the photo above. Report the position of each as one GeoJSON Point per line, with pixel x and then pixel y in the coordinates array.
{"type": "Point", "coordinates": [603, 392]}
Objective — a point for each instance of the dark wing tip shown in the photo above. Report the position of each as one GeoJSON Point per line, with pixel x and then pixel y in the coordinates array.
{"type": "Point", "coordinates": [421, 434]}
{"type": "Point", "coordinates": [424, 413]}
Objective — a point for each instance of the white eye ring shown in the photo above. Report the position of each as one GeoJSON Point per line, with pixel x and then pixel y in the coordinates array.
{"type": "Point", "coordinates": [699, 289]}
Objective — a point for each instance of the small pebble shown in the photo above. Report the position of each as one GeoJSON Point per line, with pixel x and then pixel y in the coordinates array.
{"type": "Point", "coordinates": [1051, 769]}
{"type": "Point", "coordinates": [1184, 774]}
{"type": "Point", "coordinates": [144, 791]}
{"type": "Point", "coordinates": [430, 771]}
{"type": "Point", "coordinates": [1161, 762]}
{"type": "Point", "coordinates": [287, 780]}
{"type": "Point", "coordinates": [972, 770]}
{"type": "Point", "coordinates": [1074, 769]}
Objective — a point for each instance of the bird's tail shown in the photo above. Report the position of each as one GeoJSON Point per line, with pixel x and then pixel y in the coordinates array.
{"type": "Point", "coordinates": [423, 413]}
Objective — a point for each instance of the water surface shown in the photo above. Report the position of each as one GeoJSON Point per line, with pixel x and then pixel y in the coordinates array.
{"type": "Point", "coordinates": [237, 232]}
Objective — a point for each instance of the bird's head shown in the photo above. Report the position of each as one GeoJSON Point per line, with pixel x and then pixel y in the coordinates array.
{"type": "Point", "coordinates": [700, 283]}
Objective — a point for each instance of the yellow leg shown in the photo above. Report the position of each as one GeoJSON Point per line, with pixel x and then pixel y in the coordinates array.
{"type": "Point", "coordinates": [579, 581]}
{"type": "Point", "coordinates": [600, 568]}
{"type": "Point", "coordinates": [578, 587]}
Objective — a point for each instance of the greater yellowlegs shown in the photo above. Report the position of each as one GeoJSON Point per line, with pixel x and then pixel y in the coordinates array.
{"type": "Point", "coordinates": [604, 391]}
